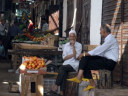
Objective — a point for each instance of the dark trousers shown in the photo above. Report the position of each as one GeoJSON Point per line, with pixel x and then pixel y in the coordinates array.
{"type": "Point", "coordinates": [89, 63]}
{"type": "Point", "coordinates": [10, 42]}
{"type": "Point", "coordinates": [5, 43]}
{"type": "Point", "coordinates": [62, 76]}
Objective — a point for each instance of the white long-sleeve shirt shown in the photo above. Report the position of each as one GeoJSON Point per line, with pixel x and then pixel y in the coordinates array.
{"type": "Point", "coordinates": [109, 49]}
{"type": "Point", "coordinates": [68, 50]}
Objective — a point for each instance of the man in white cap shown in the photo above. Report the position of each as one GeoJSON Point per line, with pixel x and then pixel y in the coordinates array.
{"type": "Point", "coordinates": [71, 52]}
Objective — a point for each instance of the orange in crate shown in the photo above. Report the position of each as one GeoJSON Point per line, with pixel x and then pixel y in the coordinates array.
{"type": "Point", "coordinates": [33, 64]}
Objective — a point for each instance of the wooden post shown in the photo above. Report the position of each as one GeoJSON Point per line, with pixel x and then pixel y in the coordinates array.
{"type": "Point", "coordinates": [39, 85]}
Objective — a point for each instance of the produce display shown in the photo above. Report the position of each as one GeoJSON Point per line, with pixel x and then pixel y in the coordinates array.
{"type": "Point", "coordinates": [32, 63]}
{"type": "Point", "coordinates": [35, 37]}
{"type": "Point", "coordinates": [22, 38]}
{"type": "Point", "coordinates": [41, 38]}
{"type": "Point", "coordinates": [38, 39]}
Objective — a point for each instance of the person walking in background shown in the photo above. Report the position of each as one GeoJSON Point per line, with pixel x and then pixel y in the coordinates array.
{"type": "Point", "coordinates": [2, 28]}
{"type": "Point", "coordinates": [13, 31]}
{"type": "Point", "coordinates": [30, 26]}
{"type": "Point", "coordinates": [44, 25]}
{"type": "Point", "coordinates": [21, 25]}
{"type": "Point", "coordinates": [2, 51]}
{"type": "Point", "coordinates": [104, 56]}
{"type": "Point", "coordinates": [3, 35]}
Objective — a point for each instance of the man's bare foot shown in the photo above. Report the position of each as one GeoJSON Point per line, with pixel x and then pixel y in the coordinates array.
{"type": "Point", "coordinates": [61, 93]}
{"type": "Point", "coordinates": [55, 89]}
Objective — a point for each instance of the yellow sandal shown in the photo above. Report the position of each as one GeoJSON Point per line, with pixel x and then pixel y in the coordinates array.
{"type": "Point", "coordinates": [74, 80]}
{"type": "Point", "coordinates": [88, 88]}
{"type": "Point", "coordinates": [85, 79]}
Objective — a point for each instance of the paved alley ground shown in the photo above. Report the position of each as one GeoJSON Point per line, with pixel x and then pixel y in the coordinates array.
{"type": "Point", "coordinates": [5, 78]}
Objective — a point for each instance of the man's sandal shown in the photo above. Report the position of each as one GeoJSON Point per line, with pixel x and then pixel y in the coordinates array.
{"type": "Point", "coordinates": [88, 88]}
{"type": "Point", "coordinates": [74, 80]}
{"type": "Point", "coordinates": [51, 93]}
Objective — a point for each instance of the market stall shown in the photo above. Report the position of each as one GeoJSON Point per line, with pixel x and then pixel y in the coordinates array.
{"type": "Point", "coordinates": [33, 45]}
{"type": "Point", "coordinates": [22, 49]}
{"type": "Point", "coordinates": [35, 76]}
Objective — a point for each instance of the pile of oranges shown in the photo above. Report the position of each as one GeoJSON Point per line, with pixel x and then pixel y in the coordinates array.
{"type": "Point", "coordinates": [33, 63]}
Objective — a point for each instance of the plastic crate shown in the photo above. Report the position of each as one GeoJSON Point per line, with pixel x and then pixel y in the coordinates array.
{"type": "Point", "coordinates": [48, 84]}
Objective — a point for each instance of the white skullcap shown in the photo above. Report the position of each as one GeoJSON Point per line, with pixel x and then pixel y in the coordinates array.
{"type": "Point", "coordinates": [72, 31]}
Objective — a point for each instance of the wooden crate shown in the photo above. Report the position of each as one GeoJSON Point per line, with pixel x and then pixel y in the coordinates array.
{"type": "Point", "coordinates": [105, 79]}
{"type": "Point", "coordinates": [89, 47]}
{"type": "Point", "coordinates": [13, 87]}
{"type": "Point", "coordinates": [49, 84]}
{"type": "Point", "coordinates": [16, 61]}
{"type": "Point", "coordinates": [34, 46]}
{"type": "Point", "coordinates": [71, 87]}
{"type": "Point", "coordinates": [32, 85]}
{"type": "Point", "coordinates": [16, 58]}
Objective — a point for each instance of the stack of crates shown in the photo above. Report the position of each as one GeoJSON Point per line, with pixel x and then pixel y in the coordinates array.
{"type": "Point", "coordinates": [36, 84]}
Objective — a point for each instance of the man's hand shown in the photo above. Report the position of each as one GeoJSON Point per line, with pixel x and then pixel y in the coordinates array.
{"type": "Point", "coordinates": [81, 55]}
{"type": "Point", "coordinates": [68, 57]}
{"type": "Point", "coordinates": [72, 42]}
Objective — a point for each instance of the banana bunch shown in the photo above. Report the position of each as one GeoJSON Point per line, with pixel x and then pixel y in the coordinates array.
{"type": "Point", "coordinates": [48, 35]}
{"type": "Point", "coordinates": [39, 39]}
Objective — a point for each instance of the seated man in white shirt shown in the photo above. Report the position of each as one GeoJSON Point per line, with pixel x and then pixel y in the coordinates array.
{"type": "Point", "coordinates": [71, 52]}
{"type": "Point", "coordinates": [102, 57]}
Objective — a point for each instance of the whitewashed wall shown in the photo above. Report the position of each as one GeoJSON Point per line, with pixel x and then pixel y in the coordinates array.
{"type": "Point", "coordinates": [95, 22]}
{"type": "Point", "coordinates": [74, 16]}
{"type": "Point", "coordinates": [64, 17]}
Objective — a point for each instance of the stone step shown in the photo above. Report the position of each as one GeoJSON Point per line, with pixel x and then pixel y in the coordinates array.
{"type": "Point", "coordinates": [9, 94]}
{"type": "Point", "coordinates": [111, 92]}
{"type": "Point", "coordinates": [105, 92]}
{"type": "Point", "coordinates": [117, 90]}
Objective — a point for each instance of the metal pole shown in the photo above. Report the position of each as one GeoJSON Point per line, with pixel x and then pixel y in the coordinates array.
{"type": "Point", "coordinates": [122, 23]}
{"type": "Point", "coordinates": [3, 5]}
